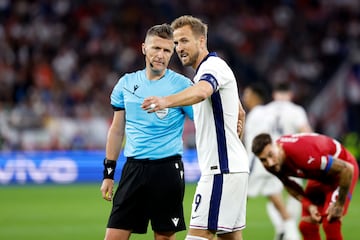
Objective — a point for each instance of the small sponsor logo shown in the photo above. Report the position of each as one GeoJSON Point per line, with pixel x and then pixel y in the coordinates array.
{"type": "Point", "coordinates": [311, 159]}
{"type": "Point", "coordinates": [175, 221]}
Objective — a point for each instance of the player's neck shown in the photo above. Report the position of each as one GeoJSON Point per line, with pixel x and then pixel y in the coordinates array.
{"type": "Point", "coordinates": [282, 154]}
{"type": "Point", "coordinates": [202, 55]}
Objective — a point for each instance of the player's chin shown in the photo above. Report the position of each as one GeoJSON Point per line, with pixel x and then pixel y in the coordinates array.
{"type": "Point", "coordinates": [274, 169]}
{"type": "Point", "coordinates": [185, 61]}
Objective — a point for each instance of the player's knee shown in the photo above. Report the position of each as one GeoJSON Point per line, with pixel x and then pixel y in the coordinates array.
{"type": "Point", "coordinates": [189, 237]}
{"type": "Point", "coordinates": [309, 230]}
{"type": "Point", "coordinates": [332, 229]}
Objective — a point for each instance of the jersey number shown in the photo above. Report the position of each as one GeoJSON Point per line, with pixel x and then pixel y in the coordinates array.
{"type": "Point", "coordinates": [197, 202]}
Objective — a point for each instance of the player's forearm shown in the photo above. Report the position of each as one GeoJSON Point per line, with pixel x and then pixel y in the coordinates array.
{"type": "Point", "coordinates": [345, 180]}
{"type": "Point", "coordinates": [184, 99]}
{"type": "Point", "coordinates": [189, 96]}
{"type": "Point", "coordinates": [294, 189]}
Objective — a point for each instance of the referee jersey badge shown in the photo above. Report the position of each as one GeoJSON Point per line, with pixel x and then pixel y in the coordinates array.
{"type": "Point", "coordinates": [162, 113]}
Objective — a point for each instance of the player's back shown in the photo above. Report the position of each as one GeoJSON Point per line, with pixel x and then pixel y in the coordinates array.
{"type": "Point", "coordinates": [285, 117]}
{"type": "Point", "coordinates": [255, 124]}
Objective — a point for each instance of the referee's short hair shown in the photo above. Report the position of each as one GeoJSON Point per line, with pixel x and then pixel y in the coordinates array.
{"type": "Point", "coordinates": [164, 31]}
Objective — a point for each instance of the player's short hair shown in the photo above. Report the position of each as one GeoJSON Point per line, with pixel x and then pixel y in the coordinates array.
{"type": "Point", "coordinates": [198, 27]}
{"type": "Point", "coordinates": [260, 90]}
{"type": "Point", "coordinates": [164, 31]}
{"type": "Point", "coordinates": [282, 87]}
{"type": "Point", "coordinates": [259, 142]}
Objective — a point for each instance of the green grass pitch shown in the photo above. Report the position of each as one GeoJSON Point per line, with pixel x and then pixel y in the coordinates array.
{"type": "Point", "coordinates": [55, 212]}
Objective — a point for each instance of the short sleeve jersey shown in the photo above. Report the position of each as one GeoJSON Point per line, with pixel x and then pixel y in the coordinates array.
{"type": "Point", "coordinates": [284, 117]}
{"type": "Point", "coordinates": [310, 155]}
{"type": "Point", "coordinates": [151, 135]}
{"type": "Point", "coordinates": [218, 146]}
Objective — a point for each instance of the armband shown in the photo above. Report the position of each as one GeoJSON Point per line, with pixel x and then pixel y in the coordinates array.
{"type": "Point", "coordinates": [109, 168]}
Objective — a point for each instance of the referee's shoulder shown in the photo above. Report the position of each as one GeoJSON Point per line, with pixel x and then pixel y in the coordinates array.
{"type": "Point", "coordinates": [179, 77]}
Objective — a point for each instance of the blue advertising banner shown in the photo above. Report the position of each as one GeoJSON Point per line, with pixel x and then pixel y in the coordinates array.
{"type": "Point", "coordinates": [66, 167]}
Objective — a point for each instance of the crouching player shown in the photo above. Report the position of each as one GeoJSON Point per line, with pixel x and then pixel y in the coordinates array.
{"type": "Point", "coordinates": [332, 174]}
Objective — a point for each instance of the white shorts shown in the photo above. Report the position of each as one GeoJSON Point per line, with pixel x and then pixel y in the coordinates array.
{"type": "Point", "coordinates": [220, 203]}
{"type": "Point", "coordinates": [261, 182]}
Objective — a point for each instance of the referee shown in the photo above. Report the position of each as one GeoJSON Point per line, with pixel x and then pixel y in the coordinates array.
{"type": "Point", "coordinates": [151, 188]}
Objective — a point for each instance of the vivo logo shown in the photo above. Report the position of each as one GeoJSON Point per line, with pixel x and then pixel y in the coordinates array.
{"type": "Point", "coordinates": [58, 170]}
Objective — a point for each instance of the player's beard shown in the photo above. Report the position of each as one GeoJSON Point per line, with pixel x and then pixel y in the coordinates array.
{"type": "Point", "coordinates": [192, 59]}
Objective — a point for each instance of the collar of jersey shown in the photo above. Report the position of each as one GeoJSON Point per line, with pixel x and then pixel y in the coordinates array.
{"type": "Point", "coordinates": [212, 54]}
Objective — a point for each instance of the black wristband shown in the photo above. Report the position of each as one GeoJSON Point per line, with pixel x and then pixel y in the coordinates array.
{"type": "Point", "coordinates": [109, 168]}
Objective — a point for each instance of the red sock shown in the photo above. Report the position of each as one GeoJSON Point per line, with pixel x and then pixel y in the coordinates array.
{"type": "Point", "coordinates": [332, 229]}
{"type": "Point", "coordinates": [309, 231]}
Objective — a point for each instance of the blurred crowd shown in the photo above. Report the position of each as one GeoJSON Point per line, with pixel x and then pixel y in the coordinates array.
{"type": "Point", "coordinates": [59, 60]}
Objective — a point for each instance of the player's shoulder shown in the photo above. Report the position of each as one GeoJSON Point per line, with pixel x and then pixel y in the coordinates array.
{"type": "Point", "coordinates": [212, 61]}
{"type": "Point", "coordinates": [298, 137]}
{"type": "Point", "coordinates": [259, 108]}
{"type": "Point", "coordinates": [257, 111]}
{"type": "Point", "coordinates": [215, 61]}
{"type": "Point", "coordinates": [288, 105]}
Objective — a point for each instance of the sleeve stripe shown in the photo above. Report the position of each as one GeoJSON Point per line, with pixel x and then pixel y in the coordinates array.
{"type": "Point", "coordinates": [338, 148]}
{"type": "Point", "coordinates": [117, 108]}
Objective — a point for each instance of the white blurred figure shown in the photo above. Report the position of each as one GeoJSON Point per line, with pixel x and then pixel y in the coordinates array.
{"type": "Point", "coordinates": [261, 182]}
{"type": "Point", "coordinates": [286, 117]}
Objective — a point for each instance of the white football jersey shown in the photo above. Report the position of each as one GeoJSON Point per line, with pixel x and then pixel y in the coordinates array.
{"type": "Point", "coordinates": [285, 117]}
{"type": "Point", "coordinates": [219, 148]}
{"type": "Point", "coordinates": [257, 122]}
{"type": "Point", "coordinates": [254, 125]}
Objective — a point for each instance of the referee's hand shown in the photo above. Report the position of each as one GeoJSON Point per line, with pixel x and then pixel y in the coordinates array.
{"type": "Point", "coordinates": [107, 188]}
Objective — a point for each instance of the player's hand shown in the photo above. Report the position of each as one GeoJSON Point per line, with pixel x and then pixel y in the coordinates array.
{"type": "Point", "coordinates": [153, 104]}
{"type": "Point", "coordinates": [334, 212]}
{"type": "Point", "coordinates": [240, 127]}
{"type": "Point", "coordinates": [314, 213]}
{"type": "Point", "coordinates": [107, 188]}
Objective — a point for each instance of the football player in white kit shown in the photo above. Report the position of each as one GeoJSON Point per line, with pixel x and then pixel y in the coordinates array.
{"type": "Point", "coordinates": [261, 182]}
{"type": "Point", "coordinates": [219, 207]}
{"type": "Point", "coordinates": [280, 116]}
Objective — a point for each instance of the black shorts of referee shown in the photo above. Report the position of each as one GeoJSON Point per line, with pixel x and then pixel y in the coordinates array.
{"type": "Point", "coordinates": [150, 190]}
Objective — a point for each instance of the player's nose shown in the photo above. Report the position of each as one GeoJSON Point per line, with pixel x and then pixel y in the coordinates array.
{"type": "Point", "coordinates": [270, 162]}
{"type": "Point", "coordinates": [179, 48]}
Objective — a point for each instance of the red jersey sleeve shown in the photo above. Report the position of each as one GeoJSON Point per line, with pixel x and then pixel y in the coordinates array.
{"type": "Point", "coordinates": [308, 155]}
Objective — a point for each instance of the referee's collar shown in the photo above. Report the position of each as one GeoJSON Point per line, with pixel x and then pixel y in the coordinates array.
{"type": "Point", "coordinates": [212, 54]}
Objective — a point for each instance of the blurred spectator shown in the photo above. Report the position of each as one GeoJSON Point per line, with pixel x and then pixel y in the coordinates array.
{"type": "Point", "coordinates": [59, 60]}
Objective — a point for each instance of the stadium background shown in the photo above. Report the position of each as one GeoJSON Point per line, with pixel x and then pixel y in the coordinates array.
{"type": "Point", "coordinates": [59, 61]}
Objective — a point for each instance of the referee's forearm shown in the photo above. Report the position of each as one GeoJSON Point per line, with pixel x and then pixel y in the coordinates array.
{"type": "Point", "coordinates": [113, 145]}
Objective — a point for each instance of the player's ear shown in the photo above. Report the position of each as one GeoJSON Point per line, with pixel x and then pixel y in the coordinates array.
{"type": "Point", "coordinates": [143, 49]}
